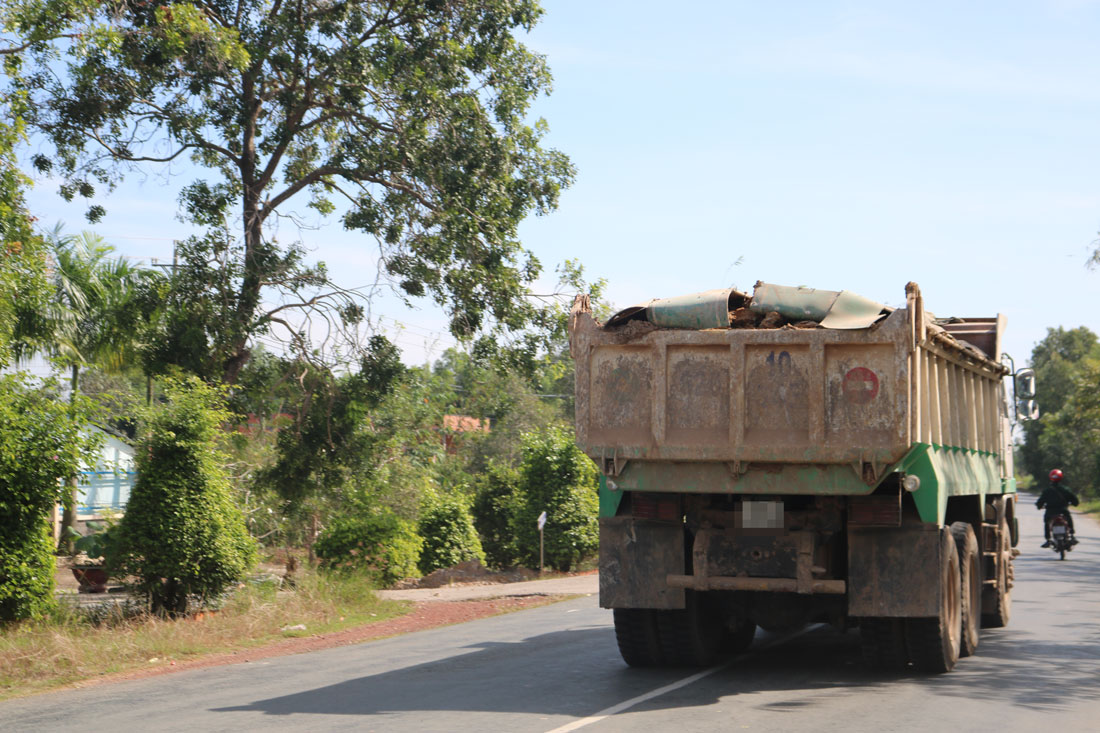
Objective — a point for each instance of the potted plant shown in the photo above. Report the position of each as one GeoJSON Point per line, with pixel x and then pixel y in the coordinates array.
{"type": "Point", "coordinates": [89, 564]}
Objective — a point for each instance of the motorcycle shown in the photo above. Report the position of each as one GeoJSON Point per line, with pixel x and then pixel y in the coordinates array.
{"type": "Point", "coordinates": [1060, 539]}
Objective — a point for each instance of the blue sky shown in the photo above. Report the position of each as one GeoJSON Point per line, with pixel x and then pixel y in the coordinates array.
{"type": "Point", "coordinates": [839, 145]}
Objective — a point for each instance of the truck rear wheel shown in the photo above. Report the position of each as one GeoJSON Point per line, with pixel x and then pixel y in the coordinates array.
{"type": "Point", "coordinates": [882, 641]}
{"type": "Point", "coordinates": [739, 638]}
{"type": "Point", "coordinates": [691, 637]}
{"type": "Point", "coordinates": [997, 600]}
{"type": "Point", "coordinates": [636, 633]}
{"type": "Point", "coordinates": [934, 643]}
{"type": "Point", "coordinates": [970, 566]}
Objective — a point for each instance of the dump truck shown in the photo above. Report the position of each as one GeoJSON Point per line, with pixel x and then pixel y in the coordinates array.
{"type": "Point", "coordinates": [796, 456]}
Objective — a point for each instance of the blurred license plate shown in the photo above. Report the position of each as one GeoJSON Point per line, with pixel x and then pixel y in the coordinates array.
{"type": "Point", "coordinates": [1059, 530]}
{"type": "Point", "coordinates": [762, 514]}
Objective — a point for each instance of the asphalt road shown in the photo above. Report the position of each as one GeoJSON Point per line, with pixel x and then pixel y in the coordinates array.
{"type": "Point", "coordinates": [556, 668]}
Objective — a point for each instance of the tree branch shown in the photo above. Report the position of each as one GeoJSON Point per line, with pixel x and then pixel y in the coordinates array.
{"type": "Point", "coordinates": [319, 174]}
{"type": "Point", "coordinates": [19, 49]}
{"type": "Point", "coordinates": [118, 154]}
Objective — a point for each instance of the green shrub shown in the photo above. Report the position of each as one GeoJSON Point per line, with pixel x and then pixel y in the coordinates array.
{"type": "Point", "coordinates": [182, 535]}
{"type": "Point", "coordinates": [496, 505]}
{"type": "Point", "coordinates": [40, 447]}
{"type": "Point", "coordinates": [383, 545]}
{"type": "Point", "coordinates": [557, 478]}
{"type": "Point", "coordinates": [449, 535]}
{"type": "Point", "coordinates": [27, 574]}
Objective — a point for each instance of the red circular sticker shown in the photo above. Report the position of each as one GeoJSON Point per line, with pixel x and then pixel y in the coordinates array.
{"type": "Point", "coordinates": [860, 385]}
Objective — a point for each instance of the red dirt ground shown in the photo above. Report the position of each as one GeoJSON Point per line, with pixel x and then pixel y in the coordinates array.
{"type": "Point", "coordinates": [424, 615]}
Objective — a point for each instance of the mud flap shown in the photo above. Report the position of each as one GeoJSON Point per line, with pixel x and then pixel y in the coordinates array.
{"type": "Point", "coordinates": [636, 556]}
{"type": "Point", "coordinates": [894, 573]}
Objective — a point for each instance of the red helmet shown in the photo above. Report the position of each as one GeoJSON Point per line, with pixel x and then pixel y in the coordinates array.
{"type": "Point", "coordinates": [1056, 475]}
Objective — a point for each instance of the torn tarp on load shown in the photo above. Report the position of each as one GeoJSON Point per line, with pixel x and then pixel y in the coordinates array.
{"type": "Point", "coordinates": [714, 308]}
{"type": "Point", "coordinates": [832, 309]}
{"type": "Point", "coordinates": [709, 309]}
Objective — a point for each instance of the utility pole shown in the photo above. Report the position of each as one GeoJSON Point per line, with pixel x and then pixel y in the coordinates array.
{"type": "Point", "coordinates": [154, 263]}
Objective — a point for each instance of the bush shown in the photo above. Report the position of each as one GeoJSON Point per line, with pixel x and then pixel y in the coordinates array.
{"type": "Point", "coordinates": [27, 573]}
{"type": "Point", "coordinates": [449, 535]}
{"type": "Point", "coordinates": [40, 447]}
{"type": "Point", "coordinates": [383, 545]}
{"type": "Point", "coordinates": [496, 505]}
{"type": "Point", "coordinates": [557, 478]}
{"type": "Point", "coordinates": [182, 535]}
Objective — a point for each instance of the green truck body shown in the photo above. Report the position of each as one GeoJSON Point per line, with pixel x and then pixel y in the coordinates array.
{"type": "Point", "coordinates": [796, 456]}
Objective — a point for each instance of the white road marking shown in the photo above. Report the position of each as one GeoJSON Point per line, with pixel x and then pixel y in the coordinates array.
{"type": "Point", "coordinates": [627, 704]}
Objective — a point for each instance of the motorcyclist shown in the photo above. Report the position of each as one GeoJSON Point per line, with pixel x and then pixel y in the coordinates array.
{"type": "Point", "coordinates": [1056, 499]}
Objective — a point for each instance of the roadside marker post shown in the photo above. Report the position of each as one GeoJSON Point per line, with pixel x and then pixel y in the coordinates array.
{"type": "Point", "coordinates": [542, 523]}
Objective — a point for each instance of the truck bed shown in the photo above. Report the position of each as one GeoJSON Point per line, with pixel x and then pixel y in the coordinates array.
{"type": "Point", "coordinates": [798, 409]}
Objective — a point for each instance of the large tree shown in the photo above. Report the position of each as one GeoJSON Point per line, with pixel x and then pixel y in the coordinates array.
{"type": "Point", "coordinates": [409, 117]}
{"type": "Point", "coordinates": [1067, 436]}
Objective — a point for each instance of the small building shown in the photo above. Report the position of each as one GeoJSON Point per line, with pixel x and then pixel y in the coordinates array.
{"type": "Point", "coordinates": [105, 487]}
{"type": "Point", "coordinates": [456, 425]}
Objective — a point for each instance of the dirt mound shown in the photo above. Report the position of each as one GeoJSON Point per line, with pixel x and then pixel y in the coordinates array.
{"type": "Point", "coordinates": [471, 572]}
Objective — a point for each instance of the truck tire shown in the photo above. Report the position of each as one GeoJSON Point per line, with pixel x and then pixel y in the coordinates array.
{"type": "Point", "coordinates": [739, 639]}
{"type": "Point", "coordinates": [636, 633]}
{"type": "Point", "coordinates": [882, 641]}
{"type": "Point", "coordinates": [970, 566]}
{"type": "Point", "coordinates": [691, 637]}
{"type": "Point", "coordinates": [934, 643]}
{"type": "Point", "coordinates": [997, 600]}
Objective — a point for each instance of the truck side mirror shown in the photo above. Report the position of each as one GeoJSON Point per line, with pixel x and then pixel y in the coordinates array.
{"type": "Point", "coordinates": [1024, 384]}
{"type": "Point", "coordinates": [1028, 410]}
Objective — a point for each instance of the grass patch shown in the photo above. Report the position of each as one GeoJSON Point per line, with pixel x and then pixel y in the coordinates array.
{"type": "Point", "coordinates": [76, 645]}
{"type": "Point", "coordinates": [1089, 506]}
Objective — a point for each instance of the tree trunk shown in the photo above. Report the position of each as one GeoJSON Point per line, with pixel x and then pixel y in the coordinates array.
{"type": "Point", "coordinates": [255, 254]}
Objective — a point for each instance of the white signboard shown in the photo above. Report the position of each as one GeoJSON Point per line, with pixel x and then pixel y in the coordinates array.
{"type": "Point", "coordinates": [542, 520]}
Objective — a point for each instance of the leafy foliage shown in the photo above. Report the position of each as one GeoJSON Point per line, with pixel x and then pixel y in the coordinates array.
{"type": "Point", "coordinates": [27, 573]}
{"type": "Point", "coordinates": [96, 542]}
{"type": "Point", "coordinates": [96, 311]}
{"type": "Point", "coordinates": [411, 115]}
{"type": "Point", "coordinates": [40, 446]}
{"type": "Point", "coordinates": [182, 535]}
{"type": "Point", "coordinates": [449, 534]}
{"type": "Point", "coordinates": [40, 442]}
{"type": "Point", "coordinates": [556, 477]}
{"type": "Point", "coordinates": [327, 436]}
{"type": "Point", "coordinates": [408, 121]}
{"type": "Point", "coordinates": [380, 543]}
{"type": "Point", "coordinates": [24, 295]}
{"type": "Point", "coordinates": [495, 510]}
{"type": "Point", "coordinates": [316, 441]}
{"type": "Point", "coordinates": [407, 449]}
{"type": "Point", "coordinates": [93, 316]}
{"type": "Point", "coordinates": [1067, 435]}
{"type": "Point", "coordinates": [24, 289]}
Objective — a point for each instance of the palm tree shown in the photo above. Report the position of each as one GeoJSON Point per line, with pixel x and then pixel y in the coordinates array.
{"type": "Point", "coordinates": [94, 317]}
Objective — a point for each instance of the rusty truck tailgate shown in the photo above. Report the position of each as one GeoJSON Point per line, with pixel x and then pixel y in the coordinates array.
{"type": "Point", "coordinates": [765, 396]}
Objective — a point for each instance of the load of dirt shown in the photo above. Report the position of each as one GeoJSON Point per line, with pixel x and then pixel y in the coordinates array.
{"type": "Point", "coordinates": [746, 317]}
{"type": "Point", "coordinates": [471, 572]}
